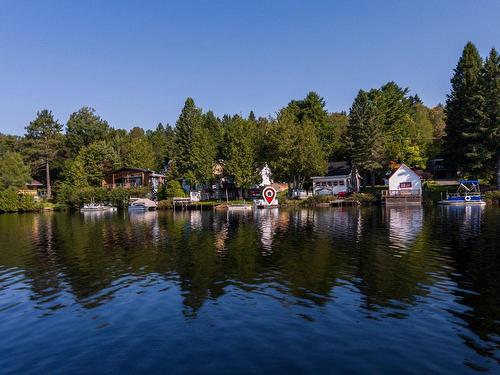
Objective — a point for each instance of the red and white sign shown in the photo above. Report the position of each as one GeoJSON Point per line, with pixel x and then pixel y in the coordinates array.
{"type": "Point", "coordinates": [269, 193]}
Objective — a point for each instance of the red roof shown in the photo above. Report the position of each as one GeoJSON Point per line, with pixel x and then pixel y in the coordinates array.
{"type": "Point", "coordinates": [34, 183]}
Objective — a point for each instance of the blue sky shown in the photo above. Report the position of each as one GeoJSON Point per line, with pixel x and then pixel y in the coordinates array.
{"type": "Point", "coordinates": [135, 62]}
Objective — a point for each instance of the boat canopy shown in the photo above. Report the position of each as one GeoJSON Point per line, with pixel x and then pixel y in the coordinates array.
{"type": "Point", "coordinates": [469, 181]}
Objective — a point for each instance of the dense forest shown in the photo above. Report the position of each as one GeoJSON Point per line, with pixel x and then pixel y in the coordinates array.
{"type": "Point", "coordinates": [384, 126]}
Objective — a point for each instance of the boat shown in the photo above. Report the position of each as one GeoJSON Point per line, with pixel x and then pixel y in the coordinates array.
{"type": "Point", "coordinates": [261, 204]}
{"type": "Point", "coordinates": [141, 204]}
{"type": "Point", "coordinates": [96, 207]}
{"type": "Point", "coordinates": [468, 193]}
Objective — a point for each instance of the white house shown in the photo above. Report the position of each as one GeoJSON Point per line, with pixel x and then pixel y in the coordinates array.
{"type": "Point", "coordinates": [341, 178]}
{"type": "Point", "coordinates": [404, 182]}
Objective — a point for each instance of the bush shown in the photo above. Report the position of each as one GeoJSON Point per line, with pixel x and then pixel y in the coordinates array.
{"type": "Point", "coordinates": [363, 198]}
{"type": "Point", "coordinates": [165, 204]}
{"type": "Point", "coordinates": [492, 196]}
{"type": "Point", "coordinates": [171, 189]}
{"type": "Point", "coordinates": [118, 197]}
{"type": "Point", "coordinates": [10, 201]}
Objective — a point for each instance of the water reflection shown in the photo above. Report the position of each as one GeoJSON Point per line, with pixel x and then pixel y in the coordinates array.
{"type": "Point", "coordinates": [392, 264]}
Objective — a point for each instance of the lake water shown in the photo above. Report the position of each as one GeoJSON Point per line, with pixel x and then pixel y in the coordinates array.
{"type": "Point", "coordinates": [371, 290]}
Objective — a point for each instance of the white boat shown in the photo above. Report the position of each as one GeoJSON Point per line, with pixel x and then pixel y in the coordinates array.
{"type": "Point", "coordinates": [96, 207]}
{"type": "Point", "coordinates": [141, 204]}
{"type": "Point", "coordinates": [468, 193]}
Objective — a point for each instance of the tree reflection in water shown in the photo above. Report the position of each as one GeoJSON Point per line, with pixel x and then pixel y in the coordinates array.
{"type": "Point", "coordinates": [384, 261]}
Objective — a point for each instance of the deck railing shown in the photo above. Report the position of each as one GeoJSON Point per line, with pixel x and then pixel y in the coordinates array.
{"type": "Point", "coordinates": [401, 193]}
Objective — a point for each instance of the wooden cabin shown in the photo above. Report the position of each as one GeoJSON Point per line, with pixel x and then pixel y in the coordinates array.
{"type": "Point", "coordinates": [133, 178]}
{"type": "Point", "coordinates": [33, 188]}
{"type": "Point", "coordinates": [341, 178]}
{"type": "Point", "coordinates": [405, 187]}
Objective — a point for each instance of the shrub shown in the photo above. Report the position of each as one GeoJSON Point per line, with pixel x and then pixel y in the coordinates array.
{"type": "Point", "coordinates": [492, 196]}
{"type": "Point", "coordinates": [165, 204]}
{"type": "Point", "coordinates": [363, 198]}
{"type": "Point", "coordinates": [10, 201]}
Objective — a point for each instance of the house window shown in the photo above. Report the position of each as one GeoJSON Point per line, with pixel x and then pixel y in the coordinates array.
{"type": "Point", "coordinates": [317, 184]}
{"type": "Point", "coordinates": [335, 183]}
{"type": "Point", "coordinates": [329, 183]}
{"type": "Point", "coordinates": [405, 185]}
{"type": "Point", "coordinates": [341, 183]}
{"type": "Point", "coordinates": [323, 184]}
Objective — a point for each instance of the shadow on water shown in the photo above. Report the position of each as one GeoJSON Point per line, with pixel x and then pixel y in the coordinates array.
{"type": "Point", "coordinates": [372, 264]}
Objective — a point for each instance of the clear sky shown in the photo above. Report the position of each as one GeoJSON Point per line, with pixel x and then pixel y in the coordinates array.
{"type": "Point", "coordinates": [135, 62]}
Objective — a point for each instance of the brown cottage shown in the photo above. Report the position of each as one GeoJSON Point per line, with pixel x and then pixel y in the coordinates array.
{"type": "Point", "coordinates": [132, 177]}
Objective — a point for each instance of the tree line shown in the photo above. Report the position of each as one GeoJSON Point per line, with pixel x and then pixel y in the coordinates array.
{"type": "Point", "coordinates": [384, 125]}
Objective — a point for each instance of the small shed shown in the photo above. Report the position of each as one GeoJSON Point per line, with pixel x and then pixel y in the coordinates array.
{"type": "Point", "coordinates": [405, 187]}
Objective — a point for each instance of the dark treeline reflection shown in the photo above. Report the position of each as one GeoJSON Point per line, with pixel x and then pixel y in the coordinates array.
{"type": "Point", "coordinates": [390, 259]}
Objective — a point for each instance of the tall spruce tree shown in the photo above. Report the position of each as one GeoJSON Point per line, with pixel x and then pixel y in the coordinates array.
{"type": "Point", "coordinates": [195, 149]}
{"type": "Point", "coordinates": [490, 84]}
{"type": "Point", "coordinates": [364, 136]}
{"type": "Point", "coordinates": [44, 136]}
{"type": "Point", "coordinates": [465, 146]}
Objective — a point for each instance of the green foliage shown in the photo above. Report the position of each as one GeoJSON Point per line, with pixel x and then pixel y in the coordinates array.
{"type": "Point", "coordinates": [94, 161]}
{"type": "Point", "coordinates": [137, 151]}
{"type": "Point", "coordinates": [162, 143]}
{"type": "Point", "coordinates": [119, 197]}
{"type": "Point", "coordinates": [165, 204]}
{"type": "Point", "coordinates": [44, 138]}
{"type": "Point", "coordinates": [364, 134]}
{"type": "Point", "coordinates": [10, 201]}
{"type": "Point", "coordinates": [13, 172]}
{"type": "Point", "coordinates": [240, 152]}
{"type": "Point", "coordinates": [464, 110]}
{"type": "Point", "coordinates": [195, 148]}
{"type": "Point", "coordinates": [296, 153]}
{"type": "Point", "coordinates": [83, 128]}
{"type": "Point", "coordinates": [492, 196]}
{"type": "Point", "coordinates": [171, 189]}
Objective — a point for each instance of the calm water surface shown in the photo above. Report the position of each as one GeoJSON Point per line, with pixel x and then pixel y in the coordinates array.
{"type": "Point", "coordinates": [396, 290]}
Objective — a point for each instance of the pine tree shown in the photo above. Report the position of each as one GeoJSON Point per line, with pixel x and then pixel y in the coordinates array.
{"type": "Point", "coordinates": [464, 139]}
{"type": "Point", "coordinates": [490, 85]}
{"type": "Point", "coordinates": [195, 149]}
{"type": "Point", "coordinates": [364, 135]}
{"type": "Point", "coordinates": [44, 136]}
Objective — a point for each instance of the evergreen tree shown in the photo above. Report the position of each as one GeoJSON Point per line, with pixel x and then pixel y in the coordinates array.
{"type": "Point", "coordinates": [162, 142]}
{"type": "Point", "coordinates": [465, 146]}
{"type": "Point", "coordinates": [195, 150]}
{"type": "Point", "coordinates": [490, 86]}
{"type": "Point", "coordinates": [44, 137]}
{"type": "Point", "coordinates": [364, 136]}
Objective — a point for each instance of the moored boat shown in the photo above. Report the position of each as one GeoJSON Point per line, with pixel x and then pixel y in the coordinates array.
{"type": "Point", "coordinates": [468, 193]}
{"type": "Point", "coordinates": [96, 207]}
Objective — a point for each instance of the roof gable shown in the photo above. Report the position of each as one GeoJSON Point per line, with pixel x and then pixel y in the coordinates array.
{"type": "Point", "coordinates": [406, 169]}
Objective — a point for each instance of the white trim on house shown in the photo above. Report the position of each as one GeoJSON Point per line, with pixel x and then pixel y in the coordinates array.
{"type": "Point", "coordinates": [331, 185]}
{"type": "Point", "coordinates": [404, 181]}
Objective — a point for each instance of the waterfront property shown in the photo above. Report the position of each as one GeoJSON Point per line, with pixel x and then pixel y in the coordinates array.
{"type": "Point", "coordinates": [341, 178]}
{"type": "Point", "coordinates": [133, 178]}
{"type": "Point", "coordinates": [33, 188]}
{"type": "Point", "coordinates": [405, 187]}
